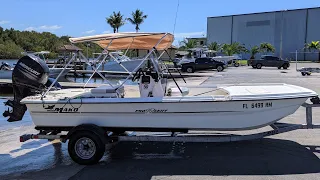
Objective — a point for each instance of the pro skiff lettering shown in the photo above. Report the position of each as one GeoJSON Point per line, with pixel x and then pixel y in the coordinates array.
{"type": "Point", "coordinates": [152, 110]}
{"type": "Point", "coordinates": [257, 105]}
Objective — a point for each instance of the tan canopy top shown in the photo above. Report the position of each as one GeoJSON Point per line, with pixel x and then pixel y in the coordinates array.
{"type": "Point", "coordinates": [128, 40]}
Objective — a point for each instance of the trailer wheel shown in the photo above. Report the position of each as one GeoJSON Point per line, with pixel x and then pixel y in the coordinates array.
{"type": "Point", "coordinates": [85, 148]}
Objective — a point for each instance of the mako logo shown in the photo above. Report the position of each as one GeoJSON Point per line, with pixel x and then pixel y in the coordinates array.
{"type": "Point", "coordinates": [52, 108]}
{"type": "Point", "coordinates": [151, 110]}
{"type": "Point", "coordinates": [66, 110]}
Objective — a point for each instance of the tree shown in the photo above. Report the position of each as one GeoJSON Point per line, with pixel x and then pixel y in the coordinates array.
{"type": "Point", "coordinates": [137, 19]}
{"type": "Point", "coordinates": [234, 48]}
{"type": "Point", "coordinates": [111, 20]}
{"type": "Point", "coordinates": [214, 46]}
{"type": "Point", "coordinates": [187, 44]}
{"type": "Point", "coordinates": [13, 42]}
{"type": "Point", "coordinates": [253, 51]}
{"type": "Point", "coordinates": [266, 47]}
{"type": "Point", "coordinates": [115, 21]}
{"type": "Point", "coordinates": [313, 46]}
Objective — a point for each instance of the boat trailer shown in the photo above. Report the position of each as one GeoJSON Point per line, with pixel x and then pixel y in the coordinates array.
{"type": "Point", "coordinates": [278, 128]}
{"type": "Point", "coordinates": [308, 71]}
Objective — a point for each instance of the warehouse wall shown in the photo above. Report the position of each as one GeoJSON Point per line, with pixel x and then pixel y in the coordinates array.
{"type": "Point", "coordinates": [294, 32]}
{"type": "Point", "coordinates": [220, 30]}
{"type": "Point", "coordinates": [253, 29]}
{"type": "Point", "coordinates": [313, 30]}
{"type": "Point", "coordinates": [297, 27]}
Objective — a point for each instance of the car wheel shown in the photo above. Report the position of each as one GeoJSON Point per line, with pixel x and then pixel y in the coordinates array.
{"type": "Point", "coordinates": [285, 66]}
{"type": "Point", "coordinates": [190, 69]}
{"type": "Point", "coordinates": [279, 67]}
{"type": "Point", "coordinates": [236, 64]}
{"type": "Point", "coordinates": [259, 66]}
{"type": "Point", "coordinates": [303, 73]}
{"type": "Point", "coordinates": [219, 68]}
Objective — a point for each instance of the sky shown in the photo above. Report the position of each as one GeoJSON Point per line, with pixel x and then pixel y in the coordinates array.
{"type": "Point", "coordinates": [78, 18]}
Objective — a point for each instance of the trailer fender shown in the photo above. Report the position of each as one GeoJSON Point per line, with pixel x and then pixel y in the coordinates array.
{"type": "Point", "coordinates": [100, 132]}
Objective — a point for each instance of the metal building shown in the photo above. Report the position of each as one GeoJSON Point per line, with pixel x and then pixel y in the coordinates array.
{"type": "Point", "coordinates": [286, 30]}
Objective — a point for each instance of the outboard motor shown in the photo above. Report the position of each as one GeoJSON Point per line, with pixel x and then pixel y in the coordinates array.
{"type": "Point", "coordinates": [28, 78]}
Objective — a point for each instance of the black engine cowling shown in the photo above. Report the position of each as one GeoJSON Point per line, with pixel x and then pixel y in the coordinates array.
{"type": "Point", "coordinates": [29, 77]}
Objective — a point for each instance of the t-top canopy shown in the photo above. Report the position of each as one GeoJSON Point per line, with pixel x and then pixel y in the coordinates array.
{"type": "Point", "coordinates": [128, 40]}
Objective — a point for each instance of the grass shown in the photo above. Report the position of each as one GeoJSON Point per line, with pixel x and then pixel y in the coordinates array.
{"type": "Point", "coordinates": [242, 62]}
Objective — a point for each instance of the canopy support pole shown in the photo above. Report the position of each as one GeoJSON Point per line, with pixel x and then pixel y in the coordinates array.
{"type": "Point", "coordinates": [145, 58]}
{"type": "Point", "coordinates": [72, 59]}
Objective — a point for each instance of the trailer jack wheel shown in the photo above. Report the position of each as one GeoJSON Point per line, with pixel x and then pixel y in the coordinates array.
{"type": "Point", "coordinates": [85, 148]}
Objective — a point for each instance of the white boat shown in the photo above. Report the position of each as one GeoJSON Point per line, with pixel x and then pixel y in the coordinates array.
{"type": "Point", "coordinates": [239, 107]}
{"type": "Point", "coordinates": [54, 71]}
{"type": "Point", "coordinates": [5, 71]}
{"type": "Point", "coordinates": [234, 107]}
{"type": "Point", "coordinates": [112, 65]}
{"type": "Point", "coordinates": [91, 116]}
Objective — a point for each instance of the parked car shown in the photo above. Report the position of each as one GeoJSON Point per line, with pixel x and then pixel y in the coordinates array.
{"type": "Point", "coordinates": [269, 61]}
{"type": "Point", "coordinates": [202, 64]}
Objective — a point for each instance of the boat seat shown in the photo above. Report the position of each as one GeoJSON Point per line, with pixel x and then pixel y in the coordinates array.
{"type": "Point", "coordinates": [108, 90]}
{"type": "Point", "coordinates": [174, 91]}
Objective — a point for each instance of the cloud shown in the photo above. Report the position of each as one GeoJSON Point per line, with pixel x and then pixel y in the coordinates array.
{"type": "Point", "coordinates": [49, 28]}
{"type": "Point", "coordinates": [43, 28]}
{"type": "Point", "coordinates": [189, 34]}
{"type": "Point", "coordinates": [30, 29]}
{"type": "Point", "coordinates": [4, 22]}
{"type": "Point", "coordinates": [106, 32]}
{"type": "Point", "coordinates": [89, 32]}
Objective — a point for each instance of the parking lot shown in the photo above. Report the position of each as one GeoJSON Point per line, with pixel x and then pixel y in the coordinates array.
{"type": "Point", "coordinates": [292, 155]}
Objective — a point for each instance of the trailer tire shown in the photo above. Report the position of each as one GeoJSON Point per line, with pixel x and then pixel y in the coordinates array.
{"type": "Point", "coordinates": [86, 147]}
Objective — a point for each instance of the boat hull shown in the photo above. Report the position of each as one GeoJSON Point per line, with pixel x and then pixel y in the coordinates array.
{"type": "Point", "coordinates": [114, 66]}
{"type": "Point", "coordinates": [54, 72]}
{"type": "Point", "coordinates": [211, 115]}
{"type": "Point", "coordinates": [5, 74]}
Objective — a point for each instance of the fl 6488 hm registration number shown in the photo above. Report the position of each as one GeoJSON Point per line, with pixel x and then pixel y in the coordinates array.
{"type": "Point", "coordinates": [257, 105]}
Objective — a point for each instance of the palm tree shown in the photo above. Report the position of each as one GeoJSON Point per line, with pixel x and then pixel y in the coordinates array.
{"type": "Point", "coordinates": [111, 21]}
{"type": "Point", "coordinates": [137, 18]}
{"type": "Point", "coordinates": [253, 51]}
{"type": "Point", "coordinates": [115, 21]}
{"type": "Point", "coordinates": [234, 48]}
{"type": "Point", "coordinates": [266, 47]}
{"type": "Point", "coordinates": [187, 44]}
{"type": "Point", "coordinates": [314, 46]}
{"type": "Point", "coordinates": [214, 46]}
